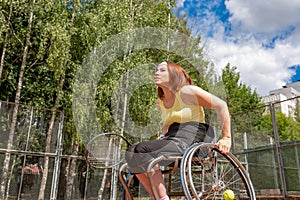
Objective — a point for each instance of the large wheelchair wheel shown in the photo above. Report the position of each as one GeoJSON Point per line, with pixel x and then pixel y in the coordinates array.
{"type": "Point", "coordinates": [206, 173]}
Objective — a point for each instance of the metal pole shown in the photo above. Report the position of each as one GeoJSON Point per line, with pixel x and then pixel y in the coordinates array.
{"type": "Point", "coordinates": [297, 163]}
{"type": "Point", "coordinates": [232, 137]}
{"type": "Point", "coordinates": [169, 22]}
{"type": "Point", "coordinates": [245, 148]}
{"type": "Point", "coordinates": [86, 182]}
{"type": "Point", "coordinates": [26, 149]}
{"type": "Point", "coordinates": [274, 165]}
{"type": "Point", "coordinates": [56, 170]}
{"type": "Point", "coordinates": [278, 151]}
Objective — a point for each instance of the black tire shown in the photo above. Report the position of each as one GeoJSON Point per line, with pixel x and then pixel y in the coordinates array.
{"type": "Point", "coordinates": [184, 170]}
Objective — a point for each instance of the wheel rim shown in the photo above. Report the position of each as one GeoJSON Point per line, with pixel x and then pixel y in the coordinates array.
{"type": "Point", "coordinates": [209, 176]}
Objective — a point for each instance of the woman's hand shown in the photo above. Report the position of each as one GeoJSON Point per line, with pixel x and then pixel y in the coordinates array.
{"type": "Point", "coordinates": [224, 145]}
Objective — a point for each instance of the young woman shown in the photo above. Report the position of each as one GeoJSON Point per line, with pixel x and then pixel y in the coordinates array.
{"type": "Point", "coordinates": [181, 104]}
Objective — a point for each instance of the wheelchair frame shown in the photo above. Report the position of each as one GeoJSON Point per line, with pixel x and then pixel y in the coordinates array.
{"type": "Point", "coordinates": [201, 174]}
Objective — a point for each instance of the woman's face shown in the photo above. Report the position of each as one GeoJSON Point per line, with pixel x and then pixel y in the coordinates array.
{"type": "Point", "coordinates": [162, 77]}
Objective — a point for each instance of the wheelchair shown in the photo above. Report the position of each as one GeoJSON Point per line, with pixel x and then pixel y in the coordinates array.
{"type": "Point", "coordinates": [202, 172]}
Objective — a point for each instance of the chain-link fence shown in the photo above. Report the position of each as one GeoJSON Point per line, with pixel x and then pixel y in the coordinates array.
{"type": "Point", "coordinates": [27, 157]}
{"type": "Point", "coordinates": [268, 148]}
{"type": "Point", "coordinates": [268, 143]}
{"type": "Point", "coordinates": [24, 132]}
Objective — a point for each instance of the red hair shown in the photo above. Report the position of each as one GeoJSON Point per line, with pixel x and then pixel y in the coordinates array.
{"type": "Point", "coordinates": [178, 78]}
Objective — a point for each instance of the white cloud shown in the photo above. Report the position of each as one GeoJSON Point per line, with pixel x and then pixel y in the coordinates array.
{"type": "Point", "coordinates": [263, 16]}
{"type": "Point", "coordinates": [253, 25]}
{"type": "Point", "coordinates": [259, 68]}
{"type": "Point", "coordinates": [180, 3]}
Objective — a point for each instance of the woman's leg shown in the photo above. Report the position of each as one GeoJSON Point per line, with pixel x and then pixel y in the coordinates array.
{"type": "Point", "coordinates": [143, 178]}
{"type": "Point", "coordinates": [138, 158]}
{"type": "Point", "coordinates": [158, 182]}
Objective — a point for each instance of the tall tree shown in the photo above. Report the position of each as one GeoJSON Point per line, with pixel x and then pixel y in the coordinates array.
{"type": "Point", "coordinates": [6, 24]}
{"type": "Point", "coordinates": [59, 42]}
{"type": "Point", "coordinates": [239, 96]}
{"type": "Point", "coordinates": [287, 127]}
{"type": "Point", "coordinates": [17, 101]}
{"type": "Point", "coordinates": [59, 59]}
{"type": "Point", "coordinates": [244, 104]}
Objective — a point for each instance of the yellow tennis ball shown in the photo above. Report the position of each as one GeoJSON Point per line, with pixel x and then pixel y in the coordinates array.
{"type": "Point", "coordinates": [228, 194]}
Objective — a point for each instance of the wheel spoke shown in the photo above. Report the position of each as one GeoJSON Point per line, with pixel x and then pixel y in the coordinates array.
{"type": "Point", "coordinates": [208, 173]}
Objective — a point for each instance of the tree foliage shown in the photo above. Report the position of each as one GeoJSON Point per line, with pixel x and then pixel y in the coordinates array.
{"type": "Point", "coordinates": [240, 99]}
{"type": "Point", "coordinates": [63, 34]}
{"type": "Point", "coordinates": [244, 104]}
{"type": "Point", "coordinates": [287, 127]}
{"type": "Point", "coordinates": [239, 96]}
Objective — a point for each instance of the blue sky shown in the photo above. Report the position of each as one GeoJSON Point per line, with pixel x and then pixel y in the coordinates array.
{"type": "Point", "coordinates": [260, 38]}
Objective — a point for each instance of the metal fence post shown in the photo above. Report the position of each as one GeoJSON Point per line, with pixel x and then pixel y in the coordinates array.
{"type": "Point", "coordinates": [274, 164]}
{"type": "Point", "coordinates": [297, 162]}
{"type": "Point", "coordinates": [56, 170]}
{"type": "Point", "coordinates": [278, 151]}
{"type": "Point", "coordinates": [232, 137]}
{"type": "Point", "coordinates": [246, 155]}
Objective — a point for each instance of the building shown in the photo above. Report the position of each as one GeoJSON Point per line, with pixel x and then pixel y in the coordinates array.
{"type": "Point", "coordinates": [286, 99]}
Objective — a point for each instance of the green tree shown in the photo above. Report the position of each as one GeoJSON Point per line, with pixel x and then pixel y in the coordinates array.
{"type": "Point", "coordinates": [17, 101]}
{"type": "Point", "coordinates": [245, 105]}
{"type": "Point", "coordinates": [42, 29]}
{"type": "Point", "coordinates": [297, 111]}
{"type": "Point", "coordinates": [5, 28]}
{"type": "Point", "coordinates": [59, 39]}
{"type": "Point", "coordinates": [58, 34]}
{"type": "Point", "coordinates": [287, 127]}
{"type": "Point", "coordinates": [239, 96]}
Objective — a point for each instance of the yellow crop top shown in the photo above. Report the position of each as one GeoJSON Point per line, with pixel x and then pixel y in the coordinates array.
{"type": "Point", "coordinates": [181, 112]}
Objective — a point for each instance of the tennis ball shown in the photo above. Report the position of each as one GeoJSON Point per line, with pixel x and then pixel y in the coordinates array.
{"type": "Point", "coordinates": [228, 194]}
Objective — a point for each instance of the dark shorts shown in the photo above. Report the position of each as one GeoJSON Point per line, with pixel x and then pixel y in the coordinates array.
{"type": "Point", "coordinates": [178, 138]}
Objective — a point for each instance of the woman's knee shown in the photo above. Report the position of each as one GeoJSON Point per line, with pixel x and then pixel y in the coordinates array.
{"type": "Point", "coordinates": [140, 148]}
